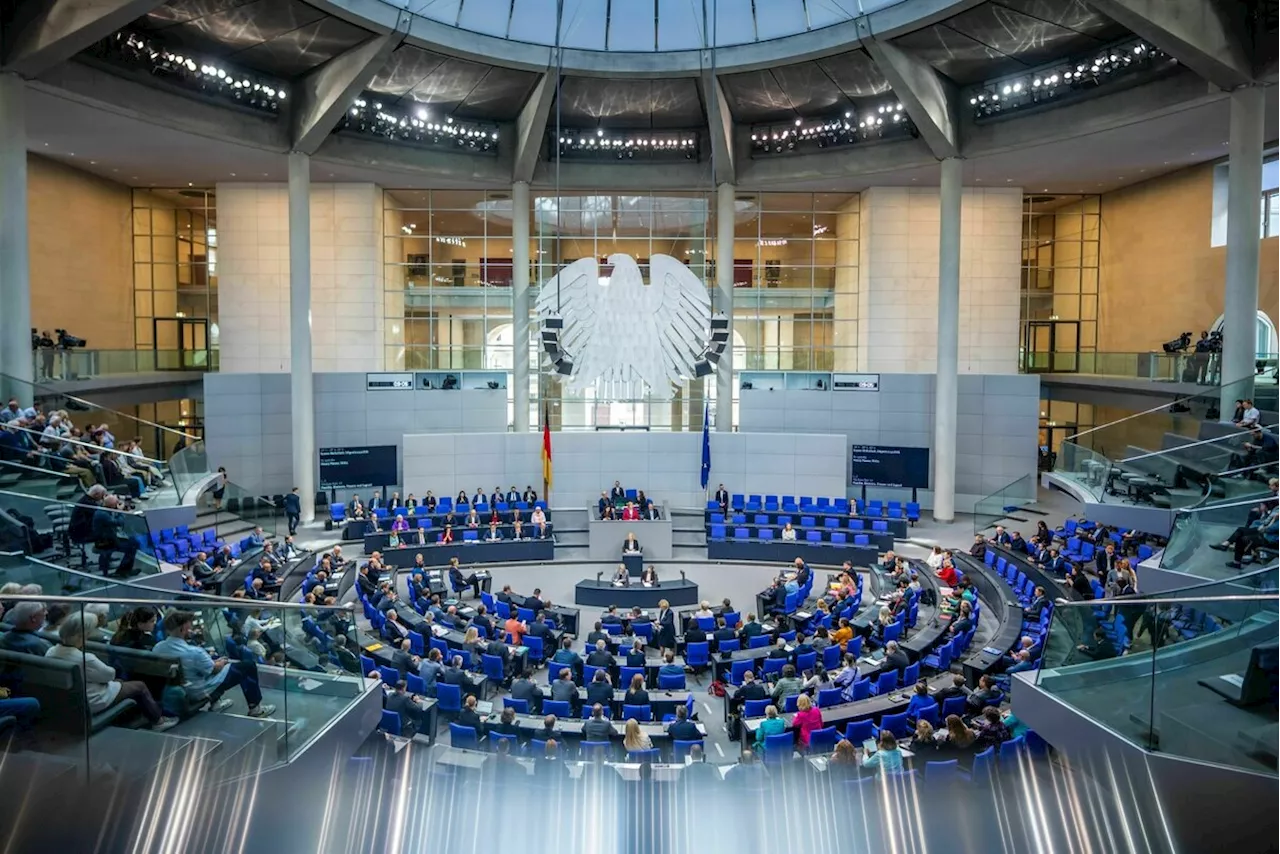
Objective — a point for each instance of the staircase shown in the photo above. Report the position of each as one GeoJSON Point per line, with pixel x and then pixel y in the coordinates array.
{"type": "Point", "coordinates": [688, 534]}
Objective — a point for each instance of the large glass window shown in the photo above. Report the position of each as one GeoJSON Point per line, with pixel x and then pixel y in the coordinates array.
{"type": "Point", "coordinates": [448, 273]}
{"type": "Point", "coordinates": [1059, 293]}
{"type": "Point", "coordinates": [175, 273]}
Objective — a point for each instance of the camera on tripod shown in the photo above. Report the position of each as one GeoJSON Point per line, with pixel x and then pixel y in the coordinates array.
{"type": "Point", "coordinates": [1179, 344]}
{"type": "Point", "coordinates": [66, 341]}
{"type": "Point", "coordinates": [1214, 344]}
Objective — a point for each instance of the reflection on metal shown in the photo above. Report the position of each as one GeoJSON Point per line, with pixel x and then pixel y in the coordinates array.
{"type": "Point", "coordinates": [616, 329]}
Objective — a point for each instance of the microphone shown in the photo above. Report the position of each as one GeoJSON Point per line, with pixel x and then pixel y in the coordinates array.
{"type": "Point", "coordinates": [682, 576]}
{"type": "Point", "coordinates": [598, 576]}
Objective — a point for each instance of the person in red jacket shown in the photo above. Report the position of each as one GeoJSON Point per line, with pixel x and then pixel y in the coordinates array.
{"type": "Point", "coordinates": [806, 719]}
{"type": "Point", "coordinates": [947, 572]}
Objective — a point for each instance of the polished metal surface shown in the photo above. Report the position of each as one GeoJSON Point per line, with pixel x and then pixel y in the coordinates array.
{"type": "Point", "coordinates": [454, 86]}
{"type": "Point", "coordinates": [805, 89]}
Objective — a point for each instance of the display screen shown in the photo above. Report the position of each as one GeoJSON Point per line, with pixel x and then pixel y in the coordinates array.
{"type": "Point", "coordinates": [884, 465]}
{"type": "Point", "coordinates": [358, 468]}
{"type": "Point", "coordinates": [855, 382]}
{"type": "Point", "coordinates": [388, 381]}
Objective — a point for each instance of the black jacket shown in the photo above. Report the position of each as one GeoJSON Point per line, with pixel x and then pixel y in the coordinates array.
{"type": "Point", "coordinates": [897, 660]}
{"type": "Point", "coordinates": [685, 730]}
{"type": "Point", "coordinates": [467, 717]}
{"type": "Point", "coordinates": [599, 692]}
{"type": "Point", "coordinates": [636, 698]}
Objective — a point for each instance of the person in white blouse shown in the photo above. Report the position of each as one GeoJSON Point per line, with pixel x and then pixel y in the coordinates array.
{"type": "Point", "coordinates": [539, 520]}
{"type": "Point", "coordinates": [101, 687]}
{"type": "Point", "coordinates": [788, 532]}
{"type": "Point", "coordinates": [934, 560]}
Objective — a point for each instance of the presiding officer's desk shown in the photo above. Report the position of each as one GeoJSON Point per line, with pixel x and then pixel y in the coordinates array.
{"type": "Point", "coordinates": [849, 523]}
{"type": "Point", "coordinates": [604, 537]}
{"type": "Point", "coordinates": [602, 594]}
{"type": "Point", "coordinates": [786, 551]}
{"type": "Point", "coordinates": [502, 551]}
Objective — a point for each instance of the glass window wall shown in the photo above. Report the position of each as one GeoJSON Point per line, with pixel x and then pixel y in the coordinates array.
{"type": "Point", "coordinates": [175, 274]}
{"type": "Point", "coordinates": [1059, 298]}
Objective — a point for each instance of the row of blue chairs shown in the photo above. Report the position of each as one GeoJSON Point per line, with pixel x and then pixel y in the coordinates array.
{"type": "Point", "coordinates": [829, 523]}
{"type": "Point", "coordinates": [807, 504]}
{"type": "Point", "coordinates": [723, 532]}
{"type": "Point", "coordinates": [177, 544]}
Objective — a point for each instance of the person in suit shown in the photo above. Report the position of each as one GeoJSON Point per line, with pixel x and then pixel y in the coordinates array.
{"type": "Point", "coordinates": [636, 695]}
{"type": "Point", "coordinates": [895, 657]}
{"type": "Point", "coordinates": [406, 706]}
{"type": "Point", "coordinates": [749, 690]}
{"type": "Point", "coordinates": [600, 691]}
{"type": "Point", "coordinates": [495, 497]}
{"type": "Point", "coordinates": [597, 633]}
{"type": "Point", "coordinates": [539, 628]}
{"type": "Point", "coordinates": [597, 727]}
{"type": "Point", "coordinates": [1055, 562]}
{"type": "Point", "coordinates": [454, 675]}
{"type": "Point", "coordinates": [987, 692]}
{"type": "Point", "coordinates": [534, 602]}
{"type": "Point", "coordinates": [1107, 560]}
{"type": "Point", "coordinates": [630, 544]}
{"type": "Point", "coordinates": [649, 576]}
{"type": "Point", "coordinates": [963, 621]}
{"type": "Point", "coordinates": [957, 688]}
{"type": "Point", "coordinates": [524, 688]}
{"type": "Point", "coordinates": [564, 689]}
{"type": "Point", "coordinates": [651, 512]}
{"type": "Point", "coordinates": [1101, 648]}
{"type": "Point", "coordinates": [470, 717]}
{"type": "Point", "coordinates": [458, 579]}
{"type": "Point", "coordinates": [1039, 601]}
{"type": "Point", "coordinates": [550, 729]}
{"type": "Point", "coordinates": [618, 494]}
{"type": "Point", "coordinates": [780, 649]}
{"type": "Point", "coordinates": [566, 655]}
{"type": "Point", "coordinates": [513, 494]}
{"type": "Point", "coordinates": [635, 655]}
{"type": "Point", "coordinates": [683, 729]}
{"type": "Point", "coordinates": [611, 616]}
{"type": "Point", "coordinates": [603, 504]}
{"type": "Point", "coordinates": [479, 497]}
{"type": "Point", "coordinates": [600, 656]}
{"type": "Point", "coordinates": [750, 629]}
{"type": "Point", "coordinates": [723, 633]}
{"type": "Point", "coordinates": [506, 724]}
{"type": "Point", "coordinates": [666, 632]}
{"type": "Point", "coordinates": [693, 633]}
{"type": "Point", "coordinates": [722, 498]}
{"type": "Point", "coordinates": [530, 495]}
{"type": "Point", "coordinates": [621, 577]}
{"type": "Point", "coordinates": [498, 649]}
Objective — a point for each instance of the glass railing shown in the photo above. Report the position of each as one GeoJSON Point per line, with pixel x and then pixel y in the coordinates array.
{"type": "Point", "coordinates": [102, 540]}
{"type": "Point", "coordinates": [1163, 455]}
{"type": "Point", "coordinates": [257, 684]}
{"type": "Point", "coordinates": [996, 506]}
{"type": "Point", "coordinates": [1196, 532]}
{"type": "Point", "coordinates": [80, 364]}
{"type": "Point", "coordinates": [244, 511]}
{"type": "Point", "coordinates": [129, 474]}
{"type": "Point", "coordinates": [44, 483]}
{"type": "Point", "coordinates": [1200, 368]}
{"type": "Point", "coordinates": [1190, 674]}
{"type": "Point", "coordinates": [189, 465]}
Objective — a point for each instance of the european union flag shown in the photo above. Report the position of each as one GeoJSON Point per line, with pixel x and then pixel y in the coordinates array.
{"type": "Point", "coordinates": [706, 446]}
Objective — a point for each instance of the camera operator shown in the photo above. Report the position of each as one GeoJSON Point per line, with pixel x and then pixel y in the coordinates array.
{"type": "Point", "coordinates": [43, 343]}
{"type": "Point", "coordinates": [1203, 348]}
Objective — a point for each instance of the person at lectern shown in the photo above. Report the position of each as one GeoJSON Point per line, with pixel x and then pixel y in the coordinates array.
{"type": "Point", "coordinates": [621, 578]}
{"type": "Point", "coordinates": [631, 545]}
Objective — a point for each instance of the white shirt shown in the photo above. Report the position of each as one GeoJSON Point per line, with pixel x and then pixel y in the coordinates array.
{"type": "Point", "coordinates": [935, 560]}
{"type": "Point", "coordinates": [1250, 417]}
{"type": "Point", "coordinates": [788, 533]}
{"type": "Point", "coordinates": [100, 685]}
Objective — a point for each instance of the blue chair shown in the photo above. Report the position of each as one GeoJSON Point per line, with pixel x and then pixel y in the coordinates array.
{"type": "Point", "coordinates": [813, 536]}
{"type": "Point", "coordinates": [893, 631]}
{"type": "Point", "coordinates": [930, 713]}
{"type": "Point", "coordinates": [859, 731]}
{"type": "Point", "coordinates": [913, 512]}
{"type": "Point", "coordinates": [463, 737]}
{"type": "Point", "coordinates": [887, 682]}
{"type": "Point", "coordinates": [880, 526]}
{"type": "Point", "coordinates": [875, 507]}
{"type": "Point", "coordinates": [559, 708]}
{"type": "Point", "coordinates": [717, 518]}
{"type": "Point", "coordinates": [589, 673]}
{"type": "Point", "coordinates": [650, 755]}
{"type": "Point", "coordinates": [390, 722]}
{"type": "Point", "coordinates": [513, 741]}
{"type": "Point", "coordinates": [521, 706]}
{"type": "Point", "coordinates": [389, 675]}
{"type": "Point", "coordinates": [862, 688]}
{"type": "Point", "coordinates": [737, 501]}
{"type": "Point", "coordinates": [697, 654]}
{"type": "Point", "coordinates": [823, 739]}
{"type": "Point", "coordinates": [738, 669]}
{"type": "Point", "coordinates": [808, 521]}
{"type": "Point", "coordinates": [807, 661]}
{"type": "Point", "coordinates": [732, 645]}
{"type": "Point", "coordinates": [772, 666]}
{"type": "Point", "coordinates": [680, 749]}
{"type": "Point", "coordinates": [760, 519]}
{"type": "Point", "coordinates": [741, 534]}
{"type": "Point", "coordinates": [911, 674]}
{"type": "Point", "coordinates": [626, 674]}
{"type": "Point", "coordinates": [534, 645]}
{"type": "Point", "coordinates": [829, 697]}
{"type": "Point", "coordinates": [952, 706]}
{"type": "Point", "coordinates": [831, 657]}
{"type": "Point", "coordinates": [983, 765]}
{"type": "Point", "coordinates": [712, 504]}
{"type": "Point", "coordinates": [643, 714]}
{"type": "Point", "coordinates": [417, 645]}
{"type": "Point", "coordinates": [755, 708]}
{"type": "Point", "coordinates": [448, 698]}
{"type": "Point", "coordinates": [944, 772]}
{"type": "Point", "coordinates": [758, 641]}
{"type": "Point", "coordinates": [896, 724]}
{"type": "Point", "coordinates": [493, 668]}
{"type": "Point", "coordinates": [765, 533]}
{"type": "Point", "coordinates": [1011, 750]}
{"type": "Point", "coordinates": [592, 749]}
{"type": "Point", "coordinates": [779, 747]}
{"type": "Point", "coordinates": [839, 537]}
{"type": "Point", "coordinates": [671, 682]}
{"type": "Point", "coordinates": [857, 525]}
{"type": "Point", "coordinates": [861, 540]}
{"type": "Point", "coordinates": [553, 671]}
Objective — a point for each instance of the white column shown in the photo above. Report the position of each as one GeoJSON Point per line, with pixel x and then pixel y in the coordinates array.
{"type": "Point", "coordinates": [944, 404]}
{"type": "Point", "coordinates": [520, 305]}
{"type": "Point", "coordinates": [15, 271]}
{"type": "Point", "coordinates": [300, 378]}
{"type": "Point", "coordinates": [724, 302]}
{"type": "Point", "coordinates": [1240, 300]}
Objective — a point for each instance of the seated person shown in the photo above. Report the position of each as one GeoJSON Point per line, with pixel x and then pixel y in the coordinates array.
{"type": "Point", "coordinates": [979, 547]}
{"type": "Point", "coordinates": [786, 685]}
{"type": "Point", "coordinates": [513, 494]}
{"type": "Point", "coordinates": [473, 518]}
{"type": "Point", "coordinates": [462, 498]}
{"type": "Point", "coordinates": [1102, 648]}
{"type": "Point", "coordinates": [600, 691]}
{"type": "Point", "coordinates": [600, 656]}
{"type": "Point", "coordinates": [649, 576]}
{"type": "Point", "coordinates": [636, 656]}
{"type": "Point", "coordinates": [1018, 544]}
{"type": "Point", "coordinates": [609, 514]}
{"type": "Point", "coordinates": [894, 657]}
{"type": "Point", "coordinates": [446, 537]}
{"type": "Point", "coordinates": [630, 513]}
{"type": "Point", "coordinates": [651, 513]}
{"type": "Point", "coordinates": [517, 530]}
{"type": "Point", "coordinates": [429, 502]}
{"type": "Point", "coordinates": [208, 679]}
{"type": "Point", "coordinates": [495, 532]}
{"type": "Point", "coordinates": [457, 579]}
{"type": "Point", "coordinates": [622, 578]}
{"type": "Point", "coordinates": [538, 519]}
{"type": "Point", "coordinates": [631, 545]}
{"type": "Point", "coordinates": [683, 729]}
{"type": "Point", "coordinates": [984, 696]}
{"type": "Point", "coordinates": [603, 504]}
{"type": "Point", "coordinates": [1000, 537]}
{"type": "Point", "coordinates": [948, 574]}
{"type": "Point", "coordinates": [669, 666]}
{"type": "Point", "coordinates": [788, 532]}
{"type": "Point", "coordinates": [530, 496]}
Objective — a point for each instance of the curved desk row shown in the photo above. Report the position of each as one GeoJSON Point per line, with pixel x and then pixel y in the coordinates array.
{"type": "Point", "coordinates": [779, 551]}
{"type": "Point", "coordinates": [573, 726]}
{"type": "Point", "coordinates": [602, 594]}
{"type": "Point", "coordinates": [1000, 600]}
{"type": "Point", "coordinates": [502, 551]}
{"type": "Point", "coordinates": [1052, 585]}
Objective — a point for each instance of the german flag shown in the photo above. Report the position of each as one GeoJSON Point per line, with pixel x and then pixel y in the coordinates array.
{"type": "Point", "coordinates": [546, 452]}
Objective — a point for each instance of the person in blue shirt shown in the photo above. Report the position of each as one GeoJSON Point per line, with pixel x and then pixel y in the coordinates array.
{"type": "Point", "coordinates": [107, 538]}
{"type": "Point", "coordinates": [258, 538]}
{"type": "Point", "coordinates": [1055, 563]}
{"type": "Point", "coordinates": [669, 667]}
{"type": "Point", "coordinates": [888, 758]}
{"type": "Point", "coordinates": [207, 679]}
{"type": "Point", "coordinates": [920, 700]}
{"type": "Point", "coordinates": [566, 655]}
{"type": "Point", "coordinates": [1264, 532]}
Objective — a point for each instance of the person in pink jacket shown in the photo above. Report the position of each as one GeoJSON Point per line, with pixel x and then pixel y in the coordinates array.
{"type": "Point", "coordinates": [806, 719]}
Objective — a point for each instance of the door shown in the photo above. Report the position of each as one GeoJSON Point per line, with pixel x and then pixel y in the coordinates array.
{"type": "Point", "coordinates": [1051, 346]}
{"type": "Point", "coordinates": [181, 343]}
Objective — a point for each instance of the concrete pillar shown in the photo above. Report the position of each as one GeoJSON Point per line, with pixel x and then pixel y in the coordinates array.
{"type": "Point", "coordinates": [1240, 302]}
{"type": "Point", "coordinates": [301, 383]}
{"type": "Point", "coordinates": [15, 271]}
{"type": "Point", "coordinates": [724, 302]}
{"type": "Point", "coordinates": [520, 305]}
{"type": "Point", "coordinates": [944, 405]}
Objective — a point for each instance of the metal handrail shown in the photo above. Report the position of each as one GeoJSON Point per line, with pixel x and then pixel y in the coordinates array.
{"type": "Point", "coordinates": [1198, 443]}
{"type": "Point", "coordinates": [97, 449]}
{"type": "Point", "coordinates": [1205, 394]}
{"type": "Point", "coordinates": [1130, 600]}
{"type": "Point", "coordinates": [89, 404]}
{"type": "Point", "coordinates": [70, 504]}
